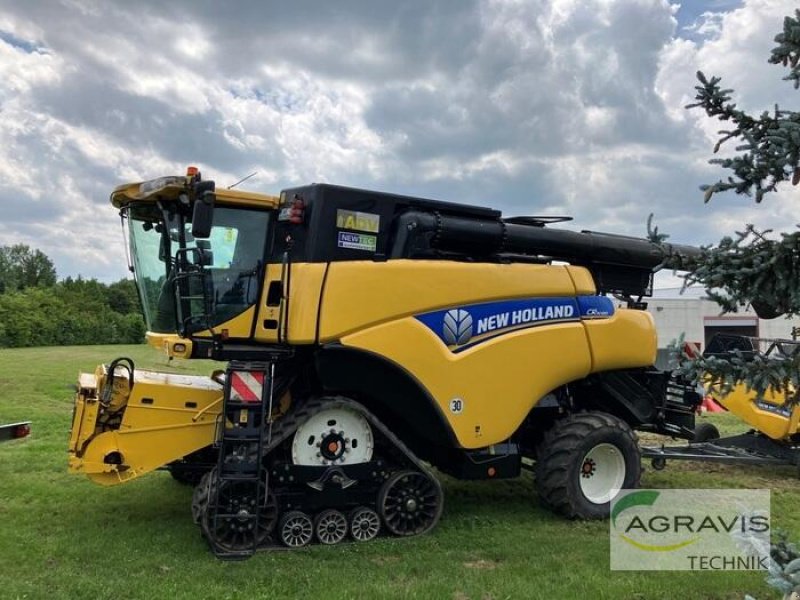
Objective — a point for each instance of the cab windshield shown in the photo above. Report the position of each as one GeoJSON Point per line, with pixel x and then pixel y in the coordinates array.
{"type": "Point", "coordinates": [226, 265]}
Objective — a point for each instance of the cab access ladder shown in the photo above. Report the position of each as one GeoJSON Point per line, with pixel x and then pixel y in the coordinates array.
{"type": "Point", "coordinates": [239, 493]}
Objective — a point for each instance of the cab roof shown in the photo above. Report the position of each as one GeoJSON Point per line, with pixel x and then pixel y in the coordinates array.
{"type": "Point", "coordinates": [171, 187]}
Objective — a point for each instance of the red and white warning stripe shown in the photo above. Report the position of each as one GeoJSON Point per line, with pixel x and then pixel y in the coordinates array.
{"type": "Point", "coordinates": [247, 386]}
{"type": "Point", "coordinates": [692, 349]}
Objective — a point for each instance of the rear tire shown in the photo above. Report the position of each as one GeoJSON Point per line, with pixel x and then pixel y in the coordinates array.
{"type": "Point", "coordinates": [582, 463]}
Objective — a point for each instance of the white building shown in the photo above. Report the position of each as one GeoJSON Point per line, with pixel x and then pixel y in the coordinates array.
{"type": "Point", "coordinates": [699, 319]}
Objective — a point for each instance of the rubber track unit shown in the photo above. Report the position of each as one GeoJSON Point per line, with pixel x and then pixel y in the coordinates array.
{"type": "Point", "coordinates": [278, 431]}
{"type": "Point", "coordinates": [557, 464]}
{"type": "Point", "coordinates": [284, 427]}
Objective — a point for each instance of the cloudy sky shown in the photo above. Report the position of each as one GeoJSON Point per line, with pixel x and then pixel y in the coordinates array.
{"type": "Point", "coordinates": [532, 106]}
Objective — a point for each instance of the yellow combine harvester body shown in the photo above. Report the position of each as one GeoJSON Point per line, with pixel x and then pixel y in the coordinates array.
{"type": "Point", "coordinates": [377, 330]}
{"type": "Point", "coordinates": [497, 390]}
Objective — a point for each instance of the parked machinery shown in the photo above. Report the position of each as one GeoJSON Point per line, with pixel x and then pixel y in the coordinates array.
{"type": "Point", "coordinates": [14, 431]}
{"type": "Point", "coordinates": [774, 416]}
{"type": "Point", "coordinates": [367, 336]}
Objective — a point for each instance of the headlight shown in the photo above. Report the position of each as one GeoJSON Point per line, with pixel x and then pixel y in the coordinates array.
{"type": "Point", "coordinates": [148, 187]}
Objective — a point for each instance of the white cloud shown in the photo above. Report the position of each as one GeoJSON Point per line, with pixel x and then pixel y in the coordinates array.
{"type": "Point", "coordinates": [708, 25]}
{"type": "Point", "coordinates": [539, 106]}
{"type": "Point", "coordinates": [738, 54]}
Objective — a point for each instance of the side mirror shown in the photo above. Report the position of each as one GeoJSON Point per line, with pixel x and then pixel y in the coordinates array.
{"type": "Point", "coordinates": [203, 215]}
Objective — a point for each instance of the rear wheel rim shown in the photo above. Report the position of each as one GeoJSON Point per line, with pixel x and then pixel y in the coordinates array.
{"type": "Point", "coordinates": [334, 436]}
{"type": "Point", "coordinates": [602, 473]}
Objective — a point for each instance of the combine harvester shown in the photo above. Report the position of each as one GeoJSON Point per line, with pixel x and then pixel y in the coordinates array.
{"type": "Point", "coordinates": [368, 335]}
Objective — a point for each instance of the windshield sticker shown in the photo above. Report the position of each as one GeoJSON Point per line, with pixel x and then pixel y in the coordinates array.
{"type": "Point", "coordinates": [358, 221]}
{"type": "Point", "coordinates": [357, 241]}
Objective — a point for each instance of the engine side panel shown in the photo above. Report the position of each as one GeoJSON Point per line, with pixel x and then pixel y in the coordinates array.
{"type": "Point", "coordinates": [485, 391]}
{"type": "Point", "coordinates": [625, 340]}
{"type": "Point", "coordinates": [486, 341]}
{"type": "Point", "coordinates": [360, 294]}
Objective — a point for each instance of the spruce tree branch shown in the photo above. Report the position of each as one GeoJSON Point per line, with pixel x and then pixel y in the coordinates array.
{"type": "Point", "coordinates": [770, 148]}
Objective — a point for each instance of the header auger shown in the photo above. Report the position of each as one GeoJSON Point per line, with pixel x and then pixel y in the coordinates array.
{"type": "Point", "coordinates": [369, 337]}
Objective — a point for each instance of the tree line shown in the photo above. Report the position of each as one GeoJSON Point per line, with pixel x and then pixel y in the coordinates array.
{"type": "Point", "coordinates": [36, 309]}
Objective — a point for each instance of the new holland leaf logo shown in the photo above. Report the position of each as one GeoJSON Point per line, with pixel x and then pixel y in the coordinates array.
{"type": "Point", "coordinates": [643, 498]}
{"type": "Point", "coordinates": [457, 327]}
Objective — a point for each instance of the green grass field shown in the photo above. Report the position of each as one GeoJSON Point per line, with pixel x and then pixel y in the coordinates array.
{"type": "Point", "coordinates": [63, 537]}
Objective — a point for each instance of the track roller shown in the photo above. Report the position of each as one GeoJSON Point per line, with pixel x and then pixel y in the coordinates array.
{"type": "Point", "coordinates": [330, 526]}
{"type": "Point", "coordinates": [364, 524]}
{"type": "Point", "coordinates": [410, 503]}
{"type": "Point", "coordinates": [296, 529]}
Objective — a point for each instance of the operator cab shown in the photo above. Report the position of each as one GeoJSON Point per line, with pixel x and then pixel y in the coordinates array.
{"type": "Point", "coordinates": [194, 273]}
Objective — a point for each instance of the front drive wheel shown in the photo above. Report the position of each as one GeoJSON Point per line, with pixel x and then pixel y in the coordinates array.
{"type": "Point", "coordinates": [584, 461]}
